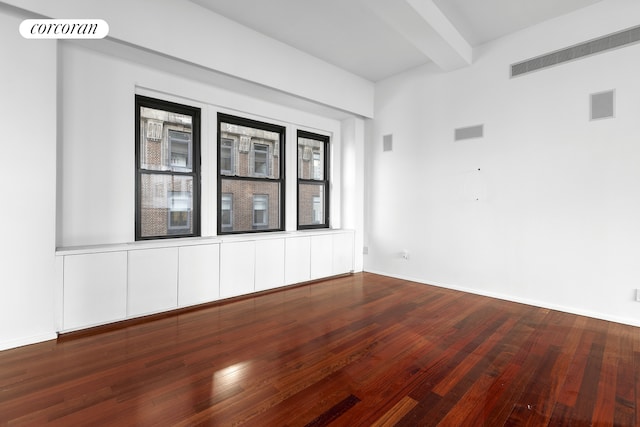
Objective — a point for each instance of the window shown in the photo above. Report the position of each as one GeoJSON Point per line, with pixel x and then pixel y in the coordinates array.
{"type": "Point", "coordinates": [167, 144]}
{"type": "Point", "coordinates": [226, 209]}
{"type": "Point", "coordinates": [317, 165]}
{"type": "Point", "coordinates": [179, 211]}
{"type": "Point", "coordinates": [313, 180]}
{"type": "Point", "coordinates": [260, 160]}
{"type": "Point", "coordinates": [251, 184]}
{"type": "Point", "coordinates": [317, 210]}
{"type": "Point", "coordinates": [180, 150]}
{"type": "Point", "coordinates": [260, 211]}
{"type": "Point", "coordinates": [227, 157]}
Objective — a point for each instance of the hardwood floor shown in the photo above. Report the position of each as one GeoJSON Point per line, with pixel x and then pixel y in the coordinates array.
{"type": "Point", "coordinates": [362, 350]}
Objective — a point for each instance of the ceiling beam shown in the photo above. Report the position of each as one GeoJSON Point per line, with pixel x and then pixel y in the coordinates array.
{"type": "Point", "coordinates": [424, 25]}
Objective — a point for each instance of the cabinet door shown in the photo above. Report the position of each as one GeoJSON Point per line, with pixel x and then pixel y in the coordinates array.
{"type": "Point", "coordinates": [95, 289]}
{"type": "Point", "coordinates": [198, 274]}
{"type": "Point", "coordinates": [269, 264]}
{"type": "Point", "coordinates": [153, 281]}
{"type": "Point", "coordinates": [343, 252]}
{"type": "Point", "coordinates": [237, 268]}
{"type": "Point", "coordinates": [297, 267]}
{"type": "Point", "coordinates": [321, 256]}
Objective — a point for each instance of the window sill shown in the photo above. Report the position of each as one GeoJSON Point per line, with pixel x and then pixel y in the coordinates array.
{"type": "Point", "coordinates": [143, 244]}
{"type": "Point", "coordinates": [278, 234]}
{"type": "Point", "coordinates": [192, 241]}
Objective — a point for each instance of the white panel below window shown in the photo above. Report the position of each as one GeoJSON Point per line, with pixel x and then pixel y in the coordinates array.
{"type": "Point", "coordinates": [343, 253]}
{"type": "Point", "coordinates": [297, 260]}
{"type": "Point", "coordinates": [269, 264]}
{"type": "Point", "coordinates": [321, 256]}
{"type": "Point", "coordinates": [237, 268]}
{"type": "Point", "coordinates": [153, 281]}
{"type": "Point", "coordinates": [198, 274]}
{"type": "Point", "coordinates": [95, 289]}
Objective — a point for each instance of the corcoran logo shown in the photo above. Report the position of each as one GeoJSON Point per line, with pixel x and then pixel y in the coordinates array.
{"type": "Point", "coordinates": [64, 29]}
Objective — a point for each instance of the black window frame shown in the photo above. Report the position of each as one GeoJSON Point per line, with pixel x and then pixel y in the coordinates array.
{"type": "Point", "coordinates": [281, 180]}
{"type": "Point", "coordinates": [326, 140]}
{"type": "Point", "coordinates": [194, 155]}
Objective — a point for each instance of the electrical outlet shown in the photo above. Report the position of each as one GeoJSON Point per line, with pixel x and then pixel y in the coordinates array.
{"type": "Point", "coordinates": [405, 254]}
{"type": "Point", "coordinates": [365, 250]}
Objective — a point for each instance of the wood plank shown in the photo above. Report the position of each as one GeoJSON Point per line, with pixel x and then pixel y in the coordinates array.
{"type": "Point", "coordinates": [604, 408]}
{"type": "Point", "coordinates": [625, 396]}
{"type": "Point", "coordinates": [334, 412]}
{"type": "Point", "coordinates": [535, 407]}
{"type": "Point", "coordinates": [636, 364]}
{"type": "Point", "coordinates": [395, 414]}
{"type": "Point", "coordinates": [357, 350]}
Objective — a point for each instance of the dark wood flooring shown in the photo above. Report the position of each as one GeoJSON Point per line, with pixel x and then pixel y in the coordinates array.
{"type": "Point", "coordinates": [362, 350]}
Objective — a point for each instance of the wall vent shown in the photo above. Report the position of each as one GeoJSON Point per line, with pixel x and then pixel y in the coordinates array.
{"type": "Point", "coordinates": [468, 132]}
{"type": "Point", "coordinates": [602, 105]}
{"type": "Point", "coordinates": [592, 47]}
{"type": "Point", "coordinates": [387, 142]}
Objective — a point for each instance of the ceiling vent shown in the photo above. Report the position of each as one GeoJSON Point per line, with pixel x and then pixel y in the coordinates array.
{"type": "Point", "coordinates": [602, 44]}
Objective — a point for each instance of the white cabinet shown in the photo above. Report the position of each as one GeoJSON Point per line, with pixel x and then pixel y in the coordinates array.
{"type": "Point", "coordinates": [269, 272]}
{"type": "Point", "coordinates": [321, 256]}
{"type": "Point", "coordinates": [95, 289]}
{"type": "Point", "coordinates": [237, 268]}
{"type": "Point", "coordinates": [198, 274]}
{"type": "Point", "coordinates": [297, 260]}
{"type": "Point", "coordinates": [343, 253]}
{"type": "Point", "coordinates": [108, 284]}
{"type": "Point", "coordinates": [153, 281]}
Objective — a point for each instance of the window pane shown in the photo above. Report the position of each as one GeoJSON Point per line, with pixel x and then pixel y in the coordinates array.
{"type": "Point", "coordinates": [165, 140]}
{"type": "Point", "coordinates": [260, 160]}
{"type": "Point", "coordinates": [227, 212]}
{"type": "Point", "coordinates": [260, 211]}
{"type": "Point", "coordinates": [256, 205]}
{"type": "Point", "coordinates": [255, 152]}
{"type": "Point", "coordinates": [226, 157]}
{"type": "Point", "coordinates": [180, 151]}
{"type": "Point", "coordinates": [167, 205]}
{"type": "Point", "coordinates": [316, 165]}
{"type": "Point", "coordinates": [179, 210]}
{"type": "Point", "coordinates": [310, 159]}
{"type": "Point", "coordinates": [311, 204]}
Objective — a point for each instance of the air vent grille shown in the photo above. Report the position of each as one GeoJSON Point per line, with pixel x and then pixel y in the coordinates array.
{"type": "Point", "coordinates": [387, 142]}
{"type": "Point", "coordinates": [602, 105]}
{"type": "Point", "coordinates": [470, 132]}
{"type": "Point", "coordinates": [612, 41]}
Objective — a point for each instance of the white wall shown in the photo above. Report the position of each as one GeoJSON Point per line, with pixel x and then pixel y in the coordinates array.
{"type": "Point", "coordinates": [353, 185]}
{"type": "Point", "coordinates": [97, 187]}
{"type": "Point", "coordinates": [68, 118]}
{"type": "Point", "coordinates": [209, 40]}
{"type": "Point", "coordinates": [28, 173]}
{"type": "Point", "coordinates": [557, 222]}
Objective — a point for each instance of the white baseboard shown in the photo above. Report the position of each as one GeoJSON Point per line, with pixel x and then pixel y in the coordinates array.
{"type": "Point", "coordinates": [511, 298]}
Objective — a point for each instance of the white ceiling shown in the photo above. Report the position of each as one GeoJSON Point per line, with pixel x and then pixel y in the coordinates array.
{"type": "Point", "coordinates": [376, 39]}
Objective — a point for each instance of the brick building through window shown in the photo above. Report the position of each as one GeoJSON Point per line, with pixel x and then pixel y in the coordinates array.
{"type": "Point", "coordinates": [313, 180]}
{"type": "Point", "coordinates": [250, 176]}
{"type": "Point", "coordinates": [166, 172]}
